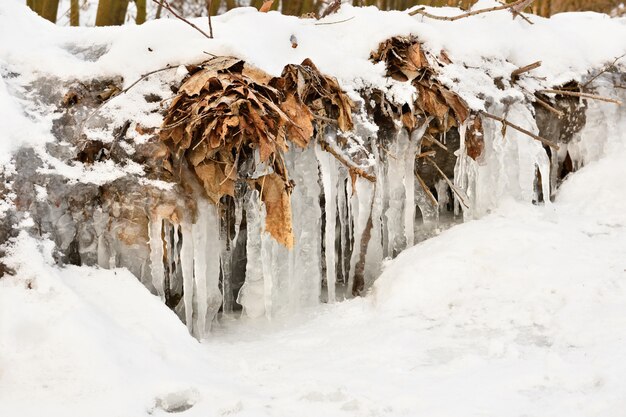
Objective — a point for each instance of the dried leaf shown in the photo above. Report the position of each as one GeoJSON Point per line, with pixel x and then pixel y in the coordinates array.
{"type": "Point", "coordinates": [197, 81]}
{"type": "Point", "coordinates": [409, 121]}
{"type": "Point", "coordinates": [430, 103]}
{"type": "Point", "coordinates": [456, 103]}
{"type": "Point", "coordinates": [300, 130]}
{"type": "Point", "coordinates": [214, 181]}
{"type": "Point", "coordinates": [474, 139]}
{"type": "Point", "coordinates": [266, 6]}
{"type": "Point", "coordinates": [255, 74]}
{"type": "Point", "coordinates": [277, 201]}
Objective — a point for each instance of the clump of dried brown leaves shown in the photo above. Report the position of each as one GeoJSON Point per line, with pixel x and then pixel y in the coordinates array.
{"type": "Point", "coordinates": [226, 111]}
{"type": "Point", "coordinates": [406, 60]}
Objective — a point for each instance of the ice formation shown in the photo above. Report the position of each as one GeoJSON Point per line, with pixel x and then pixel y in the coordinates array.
{"type": "Point", "coordinates": [344, 228]}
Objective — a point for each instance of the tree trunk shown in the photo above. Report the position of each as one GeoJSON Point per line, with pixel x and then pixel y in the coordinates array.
{"type": "Point", "coordinates": [213, 6]}
{"type": "Point", "coordinates": [111, 12]}
{"type": "Point", "coordinates": [74, 13]}
{"type": "Point", "coordinates": [141, 11]}
{"type": "Point", "coordinates": [49, 10]}
{"type": "Point", "coordinates": [36, 5]}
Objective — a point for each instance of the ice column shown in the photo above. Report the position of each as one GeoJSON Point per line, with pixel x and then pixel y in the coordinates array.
{"type": "Point", "coordinates": [251, 294]}
{"type": "Point", "coordinates": [186, 263]}
{"type": "Point", "coordinates": [329, 172]}
{"type": "Point", "coordinates": [156, 255]}
{"type": "Point", "coordinates": [206, 251]}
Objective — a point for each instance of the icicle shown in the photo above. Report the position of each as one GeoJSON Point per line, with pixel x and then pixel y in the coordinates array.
{"type": "Point", "coordinates": [374, 254]}
{"type": "Point", "coordinates": [361, 207]}
{"type": "Point", "coordinates": [413, 147]}
{"type": "Point", "coordinates": [174, 283]}
{"type": "Point", "coordinates": [206, 252]}
{"type": "Point", "coordinates": [238, 218]}
{"type": "Point", "coordinates": [226, 248]}
{"type": "Point", "coordinates": [156, 256]}
{"type": "Point", "coordinates": [251, 294]}
{"type": "Point", "coordinates": [343, 220]}
{"type": "Point", "coordinates": [395, 186]}
{"type": "Point", "coordinates": [186, 261]}
{"type": "Point", "coordinates": [328, 170]}
{"type": "Point", "coordinates": [305, 258]}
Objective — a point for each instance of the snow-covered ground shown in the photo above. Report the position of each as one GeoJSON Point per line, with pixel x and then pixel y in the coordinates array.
{"type": "Point", "coordinates": [520, 313]}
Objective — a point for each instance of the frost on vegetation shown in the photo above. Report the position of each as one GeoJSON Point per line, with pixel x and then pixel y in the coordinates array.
{"type": "Point", "coordinates": [297, 182]}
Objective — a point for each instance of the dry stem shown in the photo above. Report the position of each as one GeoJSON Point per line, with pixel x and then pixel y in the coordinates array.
{"type": "Point", "coordinates": [520, 129]}
{"type": "Point", "coordinates": [167, 6]}
{"type": "Point", "coordinates": [583, 95]}
{"type": "Point", "coordinates": [472, 13]}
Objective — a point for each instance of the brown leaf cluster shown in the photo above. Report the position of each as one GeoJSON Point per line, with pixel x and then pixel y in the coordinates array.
{"type": "Point", "coordinates": [405, 60]}
{"type": "Point", "coordinates": [320, 93]}
{"type": "Point", "coordinates": [225, 111]}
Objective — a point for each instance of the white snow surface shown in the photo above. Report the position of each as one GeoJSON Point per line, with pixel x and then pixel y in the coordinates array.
{"type": "Point", "coordinates": [570, 45]}
{"type": "Point", "coordinates": [520, 313]}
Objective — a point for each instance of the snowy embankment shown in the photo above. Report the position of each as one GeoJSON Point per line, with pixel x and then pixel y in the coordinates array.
{"type": "Point", "coordinates": [520, 313]}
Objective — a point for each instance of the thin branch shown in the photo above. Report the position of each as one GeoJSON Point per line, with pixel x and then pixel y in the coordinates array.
{"type": "Point", "coordinates": [169, 8]}
{"type": "Point", "coordinates": [332, 8]}
{"type": "Point", "coordinates": [516, 13]}
{"type": "Point", "coordinates": [516, 73]}
{"type": "Point", "coordinates": [549, 107]}
{"type": "Point", "coordinates": [605, 69]}
{"type": "Point", "coordinates": [472, 13]}
{"type": "Point", "coordinates": [583, 95]}
{"type": "Point", "coordinates": [333, 23]}
{"type": "Point", "coordinates": [436, 142]}
{"type": "Point", "coordinates": [426, 190]}
{"type": "Point", "coordinates": [348, 164]}
{"type": "Point", "coordinates": [144, 76]}
{"type": "Point", "coordinates": [454, 188]}
{"type": "Point", "coordinates": [209, 8]}
{"type": "Point", "coordinates": [97, 109]}
{"type": "Point", "coordinates": [425, 154]}
{"type": "Point", "coordinates": [520, 129]}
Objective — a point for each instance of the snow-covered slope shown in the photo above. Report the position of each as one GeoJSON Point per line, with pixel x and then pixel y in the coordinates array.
{"type": "Point", "coordinates": [521, 313]}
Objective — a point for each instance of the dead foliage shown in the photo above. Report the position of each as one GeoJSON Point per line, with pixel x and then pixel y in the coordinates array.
{"type": "Point", "coordinates": [227, 114]}
{"type": "Point", "coordinates": [406, 61]}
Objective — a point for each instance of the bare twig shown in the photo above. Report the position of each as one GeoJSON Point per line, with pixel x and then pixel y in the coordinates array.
{"type": "Point", "coordinates": [549, 107]}
{"type": "Point", "coordinates": [333, 23]}
{"type": "Point", "coordinates": [436, 142]}
{"type": "Point", "coordinates": [472, 13]}
{"type": "Point", "coordinates": [520, 129]}
{"type": "Point", "coordinates": [426, 190]}
{"type": "Point", "coordinates": [144, 76]}
{"type": "Point", "coordinates": [425, 154]}
{"type": "Point", "coordinates": [516, 13]}
{"type": "Point", "coordinates": [454, 188]}
{"type": "Point", "coordinates": [97, 109]}
{"type": "Point", "coordinates": [348, 164]}
{"type": "Point", "coordinates": [169, 8]}
{"type": "Point", "coordinates": [325, 119]}
{"type": "Point", "coordinates": [209, 8]}
{"type": "Point", "coordinates": [605, 69]}
{"type": "Point", "coordinates": [516, 73]}
{"type": "Point", "coordinates": [332, 8]}
{"type": "Point", "coordinates": [266, 6]}
{"type": "Point", "coordinates": [583, 95]}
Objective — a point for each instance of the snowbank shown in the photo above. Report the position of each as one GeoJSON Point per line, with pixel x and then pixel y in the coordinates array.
{"type": "Point", "coordinates": [482, 48]}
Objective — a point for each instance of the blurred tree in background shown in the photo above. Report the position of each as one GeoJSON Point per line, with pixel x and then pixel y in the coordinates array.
{"type": "Point", "coordinates": [117, 12]}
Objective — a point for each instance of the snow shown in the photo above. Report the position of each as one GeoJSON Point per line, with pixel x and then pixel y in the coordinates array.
{"type": "Point", "coordinates": [519, 313]}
